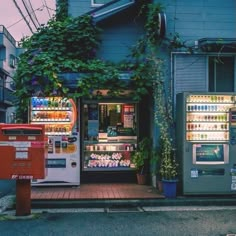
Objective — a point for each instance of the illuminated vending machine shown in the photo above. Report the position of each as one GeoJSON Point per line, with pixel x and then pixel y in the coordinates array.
{"type": "Point", "coordinates": [59, 115]}
{"type": "Point", "coordinates": [206, 142]}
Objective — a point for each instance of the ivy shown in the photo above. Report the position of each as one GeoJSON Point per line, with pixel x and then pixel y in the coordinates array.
{"type": "Point", "coordinates": [152, 67]}
{"type": "Point", "coordinates": [62, 10]}
{"type": "Point", "coordinates": [60, 46]}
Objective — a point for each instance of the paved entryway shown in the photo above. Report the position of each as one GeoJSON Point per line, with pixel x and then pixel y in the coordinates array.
{"type": "Point", "coordinates": [96, 191]}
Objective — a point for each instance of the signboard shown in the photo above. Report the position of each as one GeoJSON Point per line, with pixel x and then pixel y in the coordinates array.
{"type": "Point", "coordinates": [210, 153]}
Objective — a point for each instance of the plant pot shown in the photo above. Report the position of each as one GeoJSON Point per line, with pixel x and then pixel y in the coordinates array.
{"type": "Point", "coordinates": [169, 188]}
{"type": "Point", "coordinates": [159, 186]}
{"type": "Point", "coordinates": [142, 179]}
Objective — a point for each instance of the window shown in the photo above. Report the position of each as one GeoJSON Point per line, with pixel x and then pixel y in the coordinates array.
{"type": "Point", "coordinates": [99, 2]}
{"type": "Point", "coordinates": [221, 74]}
{"type": "Point", "coordinates": [109, 120]}
{"type": "Point", "coordinates": [2, 53]}
{"type": "Point", "coordinates": [12, 61]}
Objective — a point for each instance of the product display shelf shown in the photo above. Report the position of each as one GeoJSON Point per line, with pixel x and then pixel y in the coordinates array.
{"type": "Point", "coordinates": [207, 118]}
{"type": "Point", "coordinates": [108, 156]}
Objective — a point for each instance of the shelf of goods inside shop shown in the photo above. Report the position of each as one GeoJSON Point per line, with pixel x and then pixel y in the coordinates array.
{"type": "Point", "coordinates": [108, 159]}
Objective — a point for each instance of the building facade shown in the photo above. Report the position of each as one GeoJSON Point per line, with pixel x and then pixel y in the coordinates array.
{"type": "Point", "coordinates": [207, 27]}
{"type": "Point", "coordinates": [108, 129]}
{"type": "Point", "coordinates": [8, 61]}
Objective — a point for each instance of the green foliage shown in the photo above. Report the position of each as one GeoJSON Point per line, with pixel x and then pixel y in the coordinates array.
{"type": "Point", "coordinates": [142, 155]}
{"type": "Point", "coordinates": [169, 168]}
{"type": "Point", "coordinates": [61, 46]}
{"type": "Point", "coordinates": [147, 48]}
{"type": "Point", "coordinates": [62, 10]}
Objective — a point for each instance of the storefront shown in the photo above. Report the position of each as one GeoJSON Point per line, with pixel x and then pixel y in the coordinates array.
{"type": "Point", "coordinates": [104, 132]}
{"type": "Point", "coordinates": [109, 135]}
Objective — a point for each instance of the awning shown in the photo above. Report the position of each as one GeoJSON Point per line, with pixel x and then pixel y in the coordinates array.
{"type": "Point", "coordinates": [217, 44]}
{"type": "Point", "coordinates": [70, 80]}
{"type": "Point", "coordinates": [110, 9]}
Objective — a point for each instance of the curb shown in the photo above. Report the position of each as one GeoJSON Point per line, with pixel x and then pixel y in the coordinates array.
{"type": "Point", "coordinates": [179, 201]}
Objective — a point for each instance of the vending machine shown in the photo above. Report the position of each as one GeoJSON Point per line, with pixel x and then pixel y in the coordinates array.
{"type": "Point", "coordinates": [59, 115]}
{"type": "Point", "coordinates": [206, 142]}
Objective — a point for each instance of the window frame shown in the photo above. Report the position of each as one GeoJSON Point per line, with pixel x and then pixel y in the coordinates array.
{"type": "Point", "coordinates": [208, 71]}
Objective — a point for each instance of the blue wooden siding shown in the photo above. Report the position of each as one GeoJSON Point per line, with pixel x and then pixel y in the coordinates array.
{"type": "Point", "coordinates": [118, 38]}
{"type": "Point", "coordinates": [79, 7]}
{"type": "Point", "coordinates": [191, 19]}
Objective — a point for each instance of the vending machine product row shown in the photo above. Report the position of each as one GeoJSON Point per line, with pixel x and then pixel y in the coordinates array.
{"type": "Point", "coordinates": [59, 115]}
{"type": "Point", "coordinates": [206, 142]}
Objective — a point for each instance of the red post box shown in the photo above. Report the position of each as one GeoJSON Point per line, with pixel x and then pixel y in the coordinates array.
{"type": "Point", "coordinates": [23, 153]}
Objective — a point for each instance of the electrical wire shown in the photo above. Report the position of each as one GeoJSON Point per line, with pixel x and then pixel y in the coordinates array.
{"type": "Point", "coordinates": [45, 3]}
{"type": "Point", "coordinates": [33, 13]}
{"type": "Point", "coordinates": [18, 8]}
{"type": "Point", "coordinates": [38, 9]}
{"type": "Point", "coordinates": [29, 14]}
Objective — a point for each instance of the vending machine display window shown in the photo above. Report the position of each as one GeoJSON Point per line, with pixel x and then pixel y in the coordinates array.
{"type": "Point", "coordinates": [210, 154]}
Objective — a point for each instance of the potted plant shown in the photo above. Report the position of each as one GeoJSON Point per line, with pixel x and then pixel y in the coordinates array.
{"type": "Point", "coordinates": [140, 159]}
{"type": "Point", "coordinates": [169, 172]}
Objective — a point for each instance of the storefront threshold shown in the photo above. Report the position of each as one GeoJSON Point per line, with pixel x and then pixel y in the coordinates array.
{"type": "Point", "coordinates": [99, 191]}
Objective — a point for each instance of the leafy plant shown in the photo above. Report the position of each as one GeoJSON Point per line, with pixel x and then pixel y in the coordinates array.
{"type": "Point", "coordinates": [168, 169]}
{"type": "Point", "coordinates": [142, 155]}
{"type": "Point", "coordinates": [168, 164]}
{"type": "Point", "coordinates": [147, 49]}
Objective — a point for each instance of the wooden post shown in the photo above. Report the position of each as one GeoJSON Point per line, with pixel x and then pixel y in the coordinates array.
{"type": "Point", "coordinates": [23, 197]}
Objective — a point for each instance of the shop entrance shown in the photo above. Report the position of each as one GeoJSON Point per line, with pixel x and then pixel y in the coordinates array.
{"type": "Point", "coordinates": [109, 136]}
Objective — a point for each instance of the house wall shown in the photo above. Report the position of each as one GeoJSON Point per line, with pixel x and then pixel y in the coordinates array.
{"type": "Point", "coordinates": [191, 19]}
{"type": "Point", "coordinates": [194, 20]}
{"type": "Point", "coordinates": [120, 33]}
{"type": "Point", "coordinates": [79, 7]}
{"type": "Point", "coordinates": [7, 48]}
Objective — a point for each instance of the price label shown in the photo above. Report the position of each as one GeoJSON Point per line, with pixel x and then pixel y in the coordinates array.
{"type": "Point", "coordinates": [233, 186]}
{"type": "Point", "coordinates": [194, 173]}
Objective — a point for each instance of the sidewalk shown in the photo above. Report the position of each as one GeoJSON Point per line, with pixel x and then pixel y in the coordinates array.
{"type": "Point", "coordinates": [108, 195]}
{"type": "Point", "coordinates": [111, 195]}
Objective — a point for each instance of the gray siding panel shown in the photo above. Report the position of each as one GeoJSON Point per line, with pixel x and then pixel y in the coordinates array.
{"type": "Point", "coordinates": [189, 73]}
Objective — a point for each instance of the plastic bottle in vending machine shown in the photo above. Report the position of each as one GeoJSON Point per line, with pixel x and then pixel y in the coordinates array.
{"type": "Point", "coordinates": [50, 145]}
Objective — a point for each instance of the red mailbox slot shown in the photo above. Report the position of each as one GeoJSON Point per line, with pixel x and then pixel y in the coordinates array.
{"type": "Point", "coordinates": [23, 153]}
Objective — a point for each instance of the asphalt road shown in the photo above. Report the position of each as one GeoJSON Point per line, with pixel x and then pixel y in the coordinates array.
{"type": "Point", "coordinates": [146, 221]}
